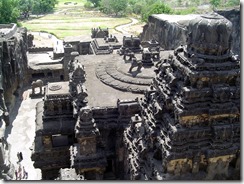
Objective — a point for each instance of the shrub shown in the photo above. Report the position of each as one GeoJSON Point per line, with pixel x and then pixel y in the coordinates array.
{"type": "Point", "coordinates": [186, 11]}
{"type": "Point", "coordinates": [88, 5]}
{"type": "Point", "coordinates": [156, 8]}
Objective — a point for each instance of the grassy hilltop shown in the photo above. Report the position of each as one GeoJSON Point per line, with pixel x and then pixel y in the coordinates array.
{"type": "Point", "coordinates": [72, 19]}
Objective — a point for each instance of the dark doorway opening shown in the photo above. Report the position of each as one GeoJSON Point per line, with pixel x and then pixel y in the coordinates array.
{"type": "Point", "coordinates": [109, 167]}
{"type": "Point", "coordinates": [109, 173]}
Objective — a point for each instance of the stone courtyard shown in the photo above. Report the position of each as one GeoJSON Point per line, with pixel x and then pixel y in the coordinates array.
{"type": "Point", "coordinates": [21, 134]}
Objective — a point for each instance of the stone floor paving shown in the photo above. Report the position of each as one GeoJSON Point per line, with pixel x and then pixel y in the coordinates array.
{"type": "Point", "coordinates": [21, 132]}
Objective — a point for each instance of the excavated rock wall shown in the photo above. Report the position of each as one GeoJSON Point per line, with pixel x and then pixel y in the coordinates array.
{"type": "Point", "coordinates": [167, 30]}
{"type": "Point", "coordinates": [234, 17]}
{"type": "Point", "coordinates": [13, 65]}
{"type": "Point", "coordinates": [171, 30]}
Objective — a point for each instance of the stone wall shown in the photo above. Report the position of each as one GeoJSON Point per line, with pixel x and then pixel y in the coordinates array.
{"type": "Point", "coordinates": [171, 30]}
{"type": "Point", "coordinates": [13, 65]}
{"type": "Point", "coordinates": [8, 30]}
{"type": "Point", "coordinates": [234, 17]}
{"type": "Point", "coordinates": [13, 68]}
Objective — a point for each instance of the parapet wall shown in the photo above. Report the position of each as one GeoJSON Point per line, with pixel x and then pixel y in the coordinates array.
{"type": "Point", "coordinates": [8, 30]}
{"type": "Point", "coordinates": [40, 49]}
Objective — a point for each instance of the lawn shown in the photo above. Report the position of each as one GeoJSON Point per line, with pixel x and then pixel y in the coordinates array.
{"type": "Point", "coordinates": [73, 20]}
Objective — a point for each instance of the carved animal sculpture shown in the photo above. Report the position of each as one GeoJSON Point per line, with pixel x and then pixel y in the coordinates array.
{"type": "Point", "coordinates": [36, 84]}
{"type": "Point", "coordinates": [135, 63]}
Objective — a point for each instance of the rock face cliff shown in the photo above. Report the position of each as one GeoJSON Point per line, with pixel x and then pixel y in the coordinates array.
{"type": "Point", "coordinates": [171, 30]}
{"type": "Point", "coordinates": [13, 63]}
{"type": "Point", "coordinates": [234, 17]}
{"type": "Point", "coordinates": [13, 68]}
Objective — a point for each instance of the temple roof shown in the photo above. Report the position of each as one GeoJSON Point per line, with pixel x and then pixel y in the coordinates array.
{"type": "Point", "coordinates": [56, 125]}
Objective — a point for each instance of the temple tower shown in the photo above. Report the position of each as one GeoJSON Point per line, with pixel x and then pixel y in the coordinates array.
{"type": "Point", "coordinates": [85, 157]}
{"type": "Point", "coordinates": [189, 126]}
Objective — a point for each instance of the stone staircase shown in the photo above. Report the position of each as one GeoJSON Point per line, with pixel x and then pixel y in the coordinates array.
{"type": "Point", "coordinates": [109, 74]}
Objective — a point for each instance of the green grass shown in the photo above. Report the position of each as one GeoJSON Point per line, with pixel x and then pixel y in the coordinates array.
{"type": "Point", "coordinates": [73, 20]}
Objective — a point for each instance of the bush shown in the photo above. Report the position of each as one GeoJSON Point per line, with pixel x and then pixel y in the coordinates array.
{"type": "Point", "coordinates": [137, 8]}
{"type": "Point", "coordinates": [156, 8]}
{"type": "Point", "coordinates": [129, 10]}
{"type": "Point", "coordinates": [88, 5]}
{"type": "Point", "coordinates": [233, 3]}
{"type": "Point", "coordinates": [186, 11]}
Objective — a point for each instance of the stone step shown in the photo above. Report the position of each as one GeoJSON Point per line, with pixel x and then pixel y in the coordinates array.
{"type": "Point", "coordinates": [117, 84]}
{"type": "Point", "coordinates": [111, 69]}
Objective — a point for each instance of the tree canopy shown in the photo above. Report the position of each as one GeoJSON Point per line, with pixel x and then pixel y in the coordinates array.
{"type": "Point", "coordinates": [95, 3]}
{"type": "Point", "coordinates": [215, 3]}
{"type": "Point", "coordinates": [118, 6]}
{"type": "Point", "coordinates": [8, 11]}
{"type": "Point", "coordinates": [156, 8]}
{"type": "Point", "coordinates": [25, 7]}
{"type": "Point", "coordinates": [43, 6]}
{"type": "Point", "coordinates": [113, 6]}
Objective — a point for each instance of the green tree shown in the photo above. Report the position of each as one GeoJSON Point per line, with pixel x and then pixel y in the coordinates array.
{"type": "Point", "coordinates": [105, 6]}
{"type": "Point", "coordinates": [118, 6]}
{"type": "Point", "coordinates": [156, 8]}
{"type": "Point", "coordinates": [138, 7]}
{"type": "Point", "coordinates": [179, 2]}
{"type": "Point", "coordinates": [215, 3]}
{"type": "Point", "coordinates": [25, 7]}
{"type": "Point", "coordinates": [113, 6]}
{"type": "Point", "coordinates": [233, 3]}
{"type": "Point", "coordinates": [43, 6]}
{"type": "Point", "coordinates": [8, 11]}
{"type": "Point", "coordinates": [95, 3]}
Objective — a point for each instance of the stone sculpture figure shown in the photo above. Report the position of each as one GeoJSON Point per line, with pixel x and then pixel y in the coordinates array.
{"type": "Point", "coordinates": [30, 38]}
{"type": "Point", "coordinates": [129, 53]}
{"type": "Point", "coordinates": [135, 63]}
{"type": "Point", "coordinates": [36, 84]}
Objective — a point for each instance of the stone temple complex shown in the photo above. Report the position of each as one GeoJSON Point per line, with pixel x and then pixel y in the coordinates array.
{"type": "Point", "coordinates": [189, 123]}
{"type": "Point", "coordinates": [113, 107]}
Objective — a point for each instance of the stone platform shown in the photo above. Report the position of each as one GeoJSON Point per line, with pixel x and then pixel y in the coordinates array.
{"type": "Point", "coordinates": [115, 74]}
{"type": "Point", "coordinates": [100, 46]}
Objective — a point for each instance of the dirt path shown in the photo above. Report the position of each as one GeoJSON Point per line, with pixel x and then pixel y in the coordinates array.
{"type": "Point", "coordinates": [124, 28]}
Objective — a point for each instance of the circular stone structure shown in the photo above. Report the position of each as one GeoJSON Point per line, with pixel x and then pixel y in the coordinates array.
{"type": "Point", "coordinates": [55, 87]}
{"type": "Point", "coordinates": [209, 34]}
{"type": "Point", "coordinates": [116, 74]}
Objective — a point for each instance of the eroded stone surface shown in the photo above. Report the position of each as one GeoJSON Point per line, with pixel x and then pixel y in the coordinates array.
{"type": "Point", "coordinates": [190, 115]}
{"type": "Point", "coordinates": [185, 127]}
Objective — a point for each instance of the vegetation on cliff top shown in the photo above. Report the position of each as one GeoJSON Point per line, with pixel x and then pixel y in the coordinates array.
{"type": "Point", "coordinates": [144, 8]}
{"type": "Point", "coordinates": [77, 17]}
{"type": "Point", "coordinates": [11, 10]}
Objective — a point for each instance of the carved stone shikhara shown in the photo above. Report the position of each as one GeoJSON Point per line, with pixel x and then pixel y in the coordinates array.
{"type": "Point", "coordinates": [56, 122]}
{"type": "Point", "coordinates": [189, 124]}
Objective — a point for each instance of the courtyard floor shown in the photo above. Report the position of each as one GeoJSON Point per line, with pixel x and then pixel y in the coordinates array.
{"type": "Point", "coordinates": [20, 134]}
